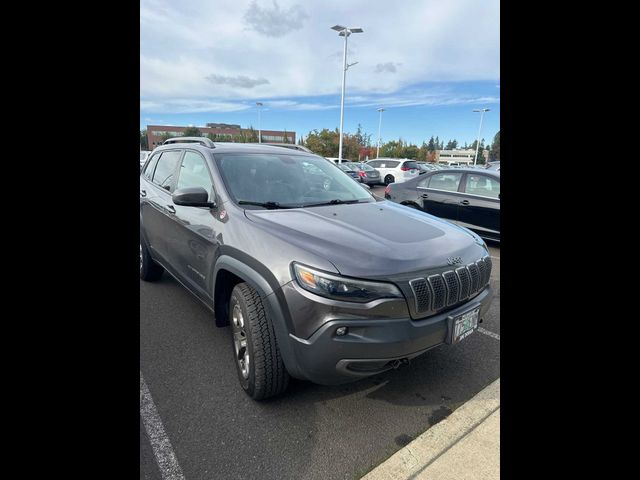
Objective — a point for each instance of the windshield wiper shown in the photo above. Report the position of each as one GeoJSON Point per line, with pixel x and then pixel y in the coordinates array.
{"type": "Point", "coordinates": [335, 201]}
{"type": "Point", "coordinates": [267, 205]}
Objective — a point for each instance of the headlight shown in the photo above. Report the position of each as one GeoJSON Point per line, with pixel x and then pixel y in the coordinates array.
{"type": "Point", "coordinates": [340, 288]}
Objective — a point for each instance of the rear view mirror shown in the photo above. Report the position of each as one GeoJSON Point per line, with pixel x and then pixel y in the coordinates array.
{"type": "Point", "coordinates": [192, 197]}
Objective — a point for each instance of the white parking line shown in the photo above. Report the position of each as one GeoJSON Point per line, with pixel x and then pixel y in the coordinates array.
{"type": "Point", "coordinates": [495, 258]}
{"type": "Point", "coordinates": [487, 332]}
{"type": "Point", "coordinates": [160, 443]}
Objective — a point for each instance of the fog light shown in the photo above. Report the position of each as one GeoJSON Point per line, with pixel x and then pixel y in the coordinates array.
{"type": "Point", "coordinates": [340, 331]}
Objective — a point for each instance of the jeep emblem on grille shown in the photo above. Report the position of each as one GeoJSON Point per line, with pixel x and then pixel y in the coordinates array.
{"type": "Point", "coordinates": [454, 260]}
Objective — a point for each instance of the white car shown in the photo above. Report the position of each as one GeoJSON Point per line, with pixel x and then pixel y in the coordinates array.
{"type": "Point", "coordinates": [395, 170]}
{"type": "Point", "coordinates": [144, 154]}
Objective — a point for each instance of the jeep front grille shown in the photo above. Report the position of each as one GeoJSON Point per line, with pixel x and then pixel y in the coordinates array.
{"type": "Point", "coordinates": [450, 287]}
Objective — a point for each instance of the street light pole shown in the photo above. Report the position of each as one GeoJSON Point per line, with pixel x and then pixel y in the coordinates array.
{"type": "Point", "coordinates": [379, 127]}
{"type": "Point", "coordinates": [259, 104]}
{"type": "Point", "coordinates": [344, 32]}
{"type": "Point", "coordinates": [479, 129]}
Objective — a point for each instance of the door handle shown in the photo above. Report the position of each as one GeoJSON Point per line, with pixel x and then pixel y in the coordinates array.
{"type": "Point", "coordinates": [464, 202]}
{"type": "Point", "coordinates": [425, 195]}
{"type": "Point", "coordinates": [171, 208]}
{"type": "Point", "coordinates": [143, 193]}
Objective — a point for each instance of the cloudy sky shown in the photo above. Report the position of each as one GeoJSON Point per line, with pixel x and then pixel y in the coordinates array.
{"type": "Point", "coordinates": [429, 63]}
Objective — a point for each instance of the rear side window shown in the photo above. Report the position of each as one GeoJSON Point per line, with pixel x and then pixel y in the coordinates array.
{"type": "Point", "coordinates": [483, 186]}
{"type": "Point", "coordinates": [391, 164]}
{"type": "Point", "coordinates": [374, 164]}
{"type": "Point", "coordinates": [194, 173]}
{"type": "Point", "coordinates": [448, 181]}
{"type": "Point", "coordinates": [151, 165]}
{"type": "Point", "coordinates": [410, 165]}
{"type": "Point", "coordinates": [165, 170]}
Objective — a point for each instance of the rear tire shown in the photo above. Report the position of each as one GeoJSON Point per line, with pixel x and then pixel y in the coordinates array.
{"type": "Point", "coordinates": [389, 179]}
{"type": "Point", "coordinates": [261, 371]}
{"type": "Point", "coordinates": [149, 270]}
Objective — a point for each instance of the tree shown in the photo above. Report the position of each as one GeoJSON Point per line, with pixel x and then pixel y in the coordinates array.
{"type": "Point", "coordinates": [494, 153]}
{"type": "Point", "coordinates": [192, 132]}
{"type": "Point", "coordinates": [480, 160]}
{"type": "Point", "coordinates": [324, 142]}
{"type": "Point", "coordinates": [423, 151]}
{"type": "Point", "coordinates": [452, 145]}
{"type": "Point", "coordinates": [432, 146]}
{"type": "Point", "coordinates": [250, 135]}
{"type": "Point", "coordinates": [164, 137]}
{"type": "Point", "coordinates": [144, 140]}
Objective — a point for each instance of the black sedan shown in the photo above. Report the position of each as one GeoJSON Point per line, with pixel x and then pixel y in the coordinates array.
{"type": "Point", "coordinates": [367, 174]}
{"type": "Point", "coordinates": [349, 170]}
{"type": "Point", "coordinates": [465, 196]}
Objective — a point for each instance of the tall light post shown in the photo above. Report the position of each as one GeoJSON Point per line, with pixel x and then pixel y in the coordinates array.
{"type": "Point", "coordinates": [259, 104]}
{"type": "Point", "coordinates": [344, 32]}
{"type": "Point", "coordinates": [482, 110]}
{"type": "Point", "coordinates": [379, 128]}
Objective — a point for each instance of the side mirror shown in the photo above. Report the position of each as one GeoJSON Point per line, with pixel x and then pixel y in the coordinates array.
{"type": "Point", "coordinates": [365, 186]}
{"type": "Point", "coordinates": [192, 197]}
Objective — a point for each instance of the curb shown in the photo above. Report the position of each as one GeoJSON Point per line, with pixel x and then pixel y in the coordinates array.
{"type": "Point", "coordinates": [417, 456]}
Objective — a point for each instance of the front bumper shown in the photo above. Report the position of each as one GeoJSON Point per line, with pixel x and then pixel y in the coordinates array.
{"type": "Point", "coordinates": [372, 344]}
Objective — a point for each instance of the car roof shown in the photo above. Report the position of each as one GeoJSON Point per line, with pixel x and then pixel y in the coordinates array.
{"type": "Point", "coordinates": [495, 173]}
{"type": "Point", "coordinates": [231, 147]}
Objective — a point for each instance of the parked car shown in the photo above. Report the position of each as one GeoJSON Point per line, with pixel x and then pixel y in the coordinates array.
{"type": "Point", "coordinates": [308, 282]}
{"type": "Point", "coordinates": [493, 166]}
{"type": "Point", "coordinates": [468, 197]}
{"type": "Point", "coordinates": [337, 160]}
{"type": "Point", "coordinates": [144, 154]}
{"type": "Point", "coordinates": [367, 174]}
{"type": "Point", "coordinates": [395, 169]}
{"type": "Point", "coordinates": [349, 170]}
{"type": "Point", "coordinates": [428, 165]}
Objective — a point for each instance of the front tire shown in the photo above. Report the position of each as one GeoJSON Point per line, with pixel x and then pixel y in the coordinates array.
{"type": "Point", "coordinates": [261, 371]}
{"type": "Point", "coordinates": [389, 179]}
{"type": "Point", "coordinates": [149, 270]}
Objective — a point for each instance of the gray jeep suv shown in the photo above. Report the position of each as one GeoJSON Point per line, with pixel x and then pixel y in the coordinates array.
{"type": "Point", "coordinates": [317, 278]}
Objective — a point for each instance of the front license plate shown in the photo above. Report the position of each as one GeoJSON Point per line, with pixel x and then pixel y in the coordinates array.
{"type": "Point", "coordinates": [463, 325]}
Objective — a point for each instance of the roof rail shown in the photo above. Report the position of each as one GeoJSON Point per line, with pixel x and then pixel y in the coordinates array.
{"type": "Point", "coordinates": [201, 140]}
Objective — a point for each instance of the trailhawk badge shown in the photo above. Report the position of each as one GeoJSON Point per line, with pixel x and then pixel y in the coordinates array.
{"type": "Point", "coordinates": [454, 260]}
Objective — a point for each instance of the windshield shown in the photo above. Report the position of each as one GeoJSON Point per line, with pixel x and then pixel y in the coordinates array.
{"type": "Point", "coordinates": [287, 180]}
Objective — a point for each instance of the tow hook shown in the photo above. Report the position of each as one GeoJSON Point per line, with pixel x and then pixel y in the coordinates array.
{"type": "Point", "coordinates": [397, 363]}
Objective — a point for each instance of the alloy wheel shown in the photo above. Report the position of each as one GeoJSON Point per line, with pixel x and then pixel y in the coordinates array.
{"type": "Point", "coordinates": [240, 340]}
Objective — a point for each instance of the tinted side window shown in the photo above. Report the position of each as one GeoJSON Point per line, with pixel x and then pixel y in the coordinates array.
{"type": "Point", "coordinates": [194, 172]}
{"type": "Point", "coordinates": [163, 176]}
{"type": "Point", "coordinates": [148, 172]}
{"type": "Point", "coordinates": [374, 164]}
{"type": "Point", "coordinates": [411, 164]}
{"type": "Point", "coordinates": [392, 164]}
{"type": "Point", "coordinates": [445, 181]}
{"type": "Point", "coordinates": [482, 185]}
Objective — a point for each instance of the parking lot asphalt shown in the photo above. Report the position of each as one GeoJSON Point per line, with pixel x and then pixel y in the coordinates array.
{"type": "Point", "coordinates": [310, 432]}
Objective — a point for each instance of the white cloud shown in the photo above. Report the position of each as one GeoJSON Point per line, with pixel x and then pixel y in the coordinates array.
{"type": "Point", "coordinates": [240, 81]}
{"type": "Point", "coordinates": [238, 44]}
{"type": "Point", "coordinates": [386, 67]}
{"type": "Point", "coordinates": [274, 22]}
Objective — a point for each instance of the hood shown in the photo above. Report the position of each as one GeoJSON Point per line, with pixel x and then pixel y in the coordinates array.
{"type": "Point", "coordinates": [371, 240]}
